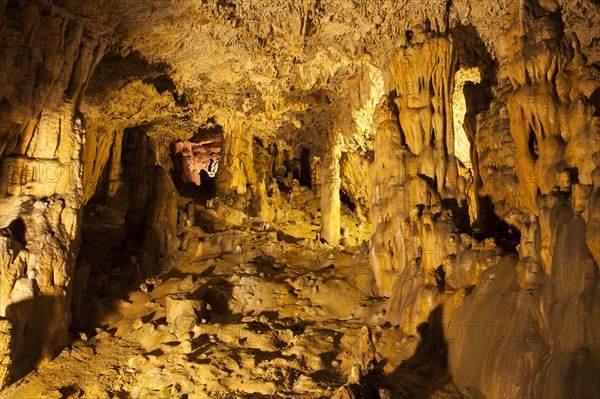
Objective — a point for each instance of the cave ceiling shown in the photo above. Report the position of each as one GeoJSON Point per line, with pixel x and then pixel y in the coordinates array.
{"type": "Point", "coordinates": [379, 165]}
{"type": "Point", "coordinates": [281, 69]}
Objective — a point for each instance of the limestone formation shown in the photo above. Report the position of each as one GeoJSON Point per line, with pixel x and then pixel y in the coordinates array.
{"type": "Point", "coordinates": [6, 343]}
{"type": "Point", "coordinates": [341, 199]}
{"type": "Point", "coordinates": [199, 156]}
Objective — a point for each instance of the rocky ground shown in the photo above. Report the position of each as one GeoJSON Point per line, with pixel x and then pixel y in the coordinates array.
{"type": "Point", "coordinates": [255, 311]}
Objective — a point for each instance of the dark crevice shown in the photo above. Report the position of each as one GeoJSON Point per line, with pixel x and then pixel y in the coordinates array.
{"type": "Point", "coordinates": [161, 83]}
{"type": "Point", "coordinates": [533, 145]}
{"type": "Point", "coordinates": [305, 168]}
{"type": "Point", "coordinates": [18, 231]}
{"type": "Point", "coordinates": [346, 200]}
{"type": "Point", "coordinates": [595, 100]}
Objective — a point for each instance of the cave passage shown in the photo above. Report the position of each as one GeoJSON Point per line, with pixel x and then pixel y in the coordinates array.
{"type": "Point", "coordinates": [305, 177]}
{"type": "Point", "coordinates": [305, 200]}
{"type": "Point", "coordinates": [197, 161]}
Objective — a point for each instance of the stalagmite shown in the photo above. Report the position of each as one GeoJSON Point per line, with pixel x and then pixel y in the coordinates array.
{"type": "Point", "coordinates": [332, 199]}
{"type": "Point", "coordinates": [236, 171]}
{"type": "Point", "coordinates": [330, 195]}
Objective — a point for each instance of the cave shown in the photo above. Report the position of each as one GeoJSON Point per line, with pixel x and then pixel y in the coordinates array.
{"type": "Point", "coordinates": [196, 162]}
{"type": "Point", "coordinates": [305, 176]}
{"type": "Point", "coordinates": [348, 199]}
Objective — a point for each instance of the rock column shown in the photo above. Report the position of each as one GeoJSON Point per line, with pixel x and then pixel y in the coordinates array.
{"type": "Point", "coordinates": [414, 166]}
{"type": "Point", "coordinates": [45, 174]}
{"type": "Point", "coordinates": [50, 55]}
{"type": "Point", "coordinates": [236, 166]}
{"type": "Point", "coordinates": [330, 195]}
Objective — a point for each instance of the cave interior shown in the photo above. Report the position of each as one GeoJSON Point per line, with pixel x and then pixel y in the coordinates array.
{"type": "Point", "coordinates": [347, 199]}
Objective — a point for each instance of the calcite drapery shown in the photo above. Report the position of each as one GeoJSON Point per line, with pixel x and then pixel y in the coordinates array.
{"type": "Point", "coordinates": [424, 101]}
{"type": "Point", "coordinates": [236, 169]}
{"type": "Point", "coordinates": [48, 57]}
{"type": "Point", "coordinates": [548, 118]}
{"type": "Point", "coordinates": [414, 161]}
{"type": "Point", "coordinates": [541, 184]}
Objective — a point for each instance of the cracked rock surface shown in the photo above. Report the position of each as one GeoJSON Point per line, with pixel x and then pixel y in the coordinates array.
{"type": "Point", "coordinates": [303, 199]}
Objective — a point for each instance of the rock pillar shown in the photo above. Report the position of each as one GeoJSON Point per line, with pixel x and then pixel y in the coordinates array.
{"type": "Point", "coordinates": [236, 168]}
{"type": "Point", "coordinates": [330, 195]}
{"type": "Point", "coordinates": [42, 181]}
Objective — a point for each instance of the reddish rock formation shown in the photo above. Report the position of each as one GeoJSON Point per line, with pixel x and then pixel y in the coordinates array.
{"type": "Point", "coordinates": [198, 154]}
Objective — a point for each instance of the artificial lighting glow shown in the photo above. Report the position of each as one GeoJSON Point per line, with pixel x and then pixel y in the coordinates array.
{"type": "Point", "coordinates": [363, 117]}
{"type": "Point", "coordinates": [462, 145]}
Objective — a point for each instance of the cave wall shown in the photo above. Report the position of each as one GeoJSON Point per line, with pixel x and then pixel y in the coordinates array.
{"type": "Point", "coordinates": [516, 325]}
{"type": "Point", "coordinates": [48, 56]}
{"type": "Point", "coordinates": [51, 166]}
{"type": "Point", "coordinates": [536, 150]}
{"type": "Point", "coordinates": [542, 132]}
{"type": "Point", "coordinates": [36, 279]}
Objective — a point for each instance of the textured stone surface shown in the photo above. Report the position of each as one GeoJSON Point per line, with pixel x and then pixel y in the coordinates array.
{"type": "Point", "coordinates": [6, 343]}
{"type": "Point", "coordinates": [405, 189]}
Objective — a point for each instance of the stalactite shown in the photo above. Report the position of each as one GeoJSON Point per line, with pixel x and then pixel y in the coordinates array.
{"type": "Point", "coordinates": [354, 242]}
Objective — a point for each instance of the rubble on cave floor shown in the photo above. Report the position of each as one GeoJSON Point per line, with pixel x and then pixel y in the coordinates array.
{"type": "Point", "coordinates": [249, 312]}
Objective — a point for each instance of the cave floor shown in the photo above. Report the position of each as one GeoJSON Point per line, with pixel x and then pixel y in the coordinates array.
{"type": "Point", "coordinates": [244, 313]}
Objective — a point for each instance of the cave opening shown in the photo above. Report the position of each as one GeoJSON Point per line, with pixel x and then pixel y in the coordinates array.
{"type": "Point", "coordinates": [463, 141]}
{"type": "Point", "coordinates": [467, 93]}
{"type": "Point", "coordinates": [196, 162]}
{"type": "Point", "coordinates": [305, 168]}
{"type": "Point", "coordinates": [472, 95]}
{"type": "Point", "coordinates": [346, 200]}
{"type": "Point", "coordinates": [18, 231]}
